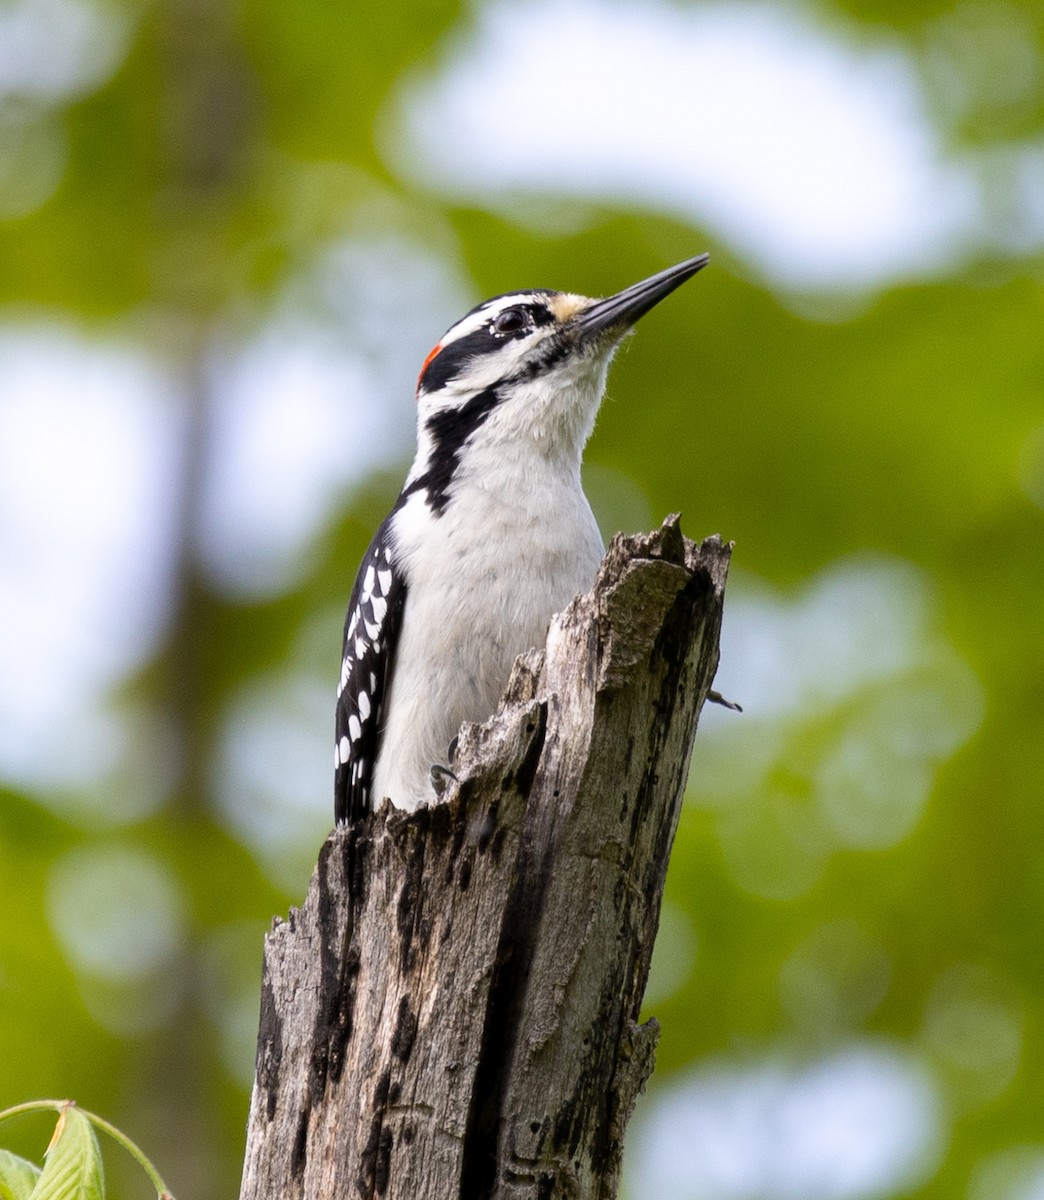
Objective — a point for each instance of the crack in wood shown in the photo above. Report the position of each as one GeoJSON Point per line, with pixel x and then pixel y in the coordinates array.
{"type": "Point", "coordinates": [506, 993]}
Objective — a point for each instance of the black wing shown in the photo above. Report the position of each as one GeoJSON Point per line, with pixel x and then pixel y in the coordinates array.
{"type": "Point", "coordinates": [371, 633]}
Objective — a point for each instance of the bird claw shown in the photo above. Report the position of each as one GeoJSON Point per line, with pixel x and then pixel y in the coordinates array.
{"type": "Point", "coordinates": [441, 774]}
{"type": "Point", "coordinates": [440, 778]}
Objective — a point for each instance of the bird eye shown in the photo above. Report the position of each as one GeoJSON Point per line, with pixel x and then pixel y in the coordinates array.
{"type": "Point", "coordinates": [511, 320]}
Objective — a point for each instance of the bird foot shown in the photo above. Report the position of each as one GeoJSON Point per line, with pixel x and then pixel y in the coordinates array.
{"type": "Point", "coordinates": [440, 778]}
{"type": "Point", "coordinates": [441, 774]}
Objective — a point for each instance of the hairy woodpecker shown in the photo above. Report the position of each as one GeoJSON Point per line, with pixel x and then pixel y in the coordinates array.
{"type": "Point", "coordinates": [490, 536]}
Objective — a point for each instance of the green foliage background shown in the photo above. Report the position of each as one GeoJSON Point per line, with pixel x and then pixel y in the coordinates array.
{"type": "Point", "coordinates": [230, 143]}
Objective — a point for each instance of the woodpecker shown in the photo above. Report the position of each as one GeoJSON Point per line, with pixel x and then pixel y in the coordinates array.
{"type": "Point", "coordinates": [490, 536]}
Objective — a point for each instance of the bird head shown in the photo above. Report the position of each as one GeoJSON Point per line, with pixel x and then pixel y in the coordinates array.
{"type": "Point", "coordinates": [527, 369]}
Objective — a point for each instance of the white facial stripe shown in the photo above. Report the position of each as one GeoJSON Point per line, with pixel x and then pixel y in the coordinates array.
{"type": "Point", "coordinates": [462, 328]}
{"type": "Point", "coordinates": [486, 312]}
{"type": "Point", "coordinates": [483, 372]}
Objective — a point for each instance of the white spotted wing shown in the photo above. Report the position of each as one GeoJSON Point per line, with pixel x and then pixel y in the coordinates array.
{"type": "Point", "coordinates": [371, 631]}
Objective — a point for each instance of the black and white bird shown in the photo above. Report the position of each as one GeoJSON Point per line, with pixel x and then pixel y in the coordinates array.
{"type": "Point", "coordinates": [490, 536]}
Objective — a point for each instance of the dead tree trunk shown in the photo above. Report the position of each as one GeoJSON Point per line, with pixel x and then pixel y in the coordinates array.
{"type": "Point", "coordinates": [453, 1013]}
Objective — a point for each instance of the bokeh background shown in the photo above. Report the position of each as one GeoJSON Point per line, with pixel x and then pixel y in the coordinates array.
{"type": "Point", "coordinates": [228, 235]}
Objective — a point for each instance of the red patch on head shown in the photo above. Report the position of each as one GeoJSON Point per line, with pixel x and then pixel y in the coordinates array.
{"type": "Point", "coordinates": [432, 354]}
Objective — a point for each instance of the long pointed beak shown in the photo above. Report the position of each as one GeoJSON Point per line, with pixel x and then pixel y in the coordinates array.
{"type": "Point", "coordinates": [621, 311]}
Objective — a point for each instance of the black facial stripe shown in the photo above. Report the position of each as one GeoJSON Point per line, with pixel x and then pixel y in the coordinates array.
{"type": "Point", "coordinates": [454, 359]}
{"type": "Point", "coordinates": [522, 297]}
{"type": "Point", "coordinates": [449, 430]}
{"type": "Point", "coordinates": [540, 314]}
{"type": "Point", "coordinates": [552, 354]}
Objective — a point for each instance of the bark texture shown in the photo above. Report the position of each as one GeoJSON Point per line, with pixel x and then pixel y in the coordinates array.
{"type": "Point", "coordinates": [454, 1010]}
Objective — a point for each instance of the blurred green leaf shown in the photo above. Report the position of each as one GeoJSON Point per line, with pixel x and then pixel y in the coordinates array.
{"type": "Point", "coordinates": [72, 1166]}
{"type": "Point", "coordinates": [18, 1176]}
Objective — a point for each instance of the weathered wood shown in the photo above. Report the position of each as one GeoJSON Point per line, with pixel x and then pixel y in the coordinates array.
{"type": "Point", "coordinates": [453, 1012]}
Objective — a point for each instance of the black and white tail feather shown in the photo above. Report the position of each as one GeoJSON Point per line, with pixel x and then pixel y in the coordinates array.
{"type": "Point", "coordinates": [490, 536]}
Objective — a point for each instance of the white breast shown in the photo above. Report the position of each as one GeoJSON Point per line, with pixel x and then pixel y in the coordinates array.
{"type": "Point", "coordinates": [484, 579]}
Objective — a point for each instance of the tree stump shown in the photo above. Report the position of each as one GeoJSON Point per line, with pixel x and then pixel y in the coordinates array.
{"type": "Point", "coordinates": [453, 1013]}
